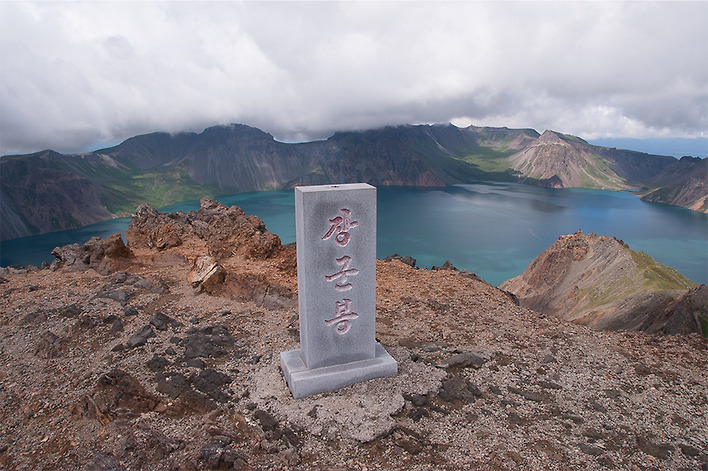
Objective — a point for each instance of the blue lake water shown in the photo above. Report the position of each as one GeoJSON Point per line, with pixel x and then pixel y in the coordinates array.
{"type": "Point", "coordinates": [493, 229]}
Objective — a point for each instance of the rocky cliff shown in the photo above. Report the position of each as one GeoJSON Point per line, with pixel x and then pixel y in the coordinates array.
{"type": "Point", "coordinates": [163, 354]}
{"type": "Point", "coordinates": [683, 183]}
{"type": "Point", "coordinates": [600, 282]}
{"type": "Point", "coordinates": [39, 193]}
{"type": "Point", "coordinates": [47, 191]}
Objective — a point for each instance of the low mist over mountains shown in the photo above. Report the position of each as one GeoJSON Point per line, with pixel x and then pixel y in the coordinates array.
{"type": "Point", "coordinates": [48, 191]}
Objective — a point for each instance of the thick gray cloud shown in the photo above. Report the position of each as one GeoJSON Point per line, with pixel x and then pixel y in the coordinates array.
{"type": "Point", "coordinates": [75, 76]}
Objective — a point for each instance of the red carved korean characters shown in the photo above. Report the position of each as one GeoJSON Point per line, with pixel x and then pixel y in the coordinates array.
{"type": "Point", "coordinates": [339, 228]}
{"type": "Point", "coordinates": [340, 225]}
{"type": "Point", "coordinates": [343, 274]}
{"type": "Point", "coordinates": [343, 316]}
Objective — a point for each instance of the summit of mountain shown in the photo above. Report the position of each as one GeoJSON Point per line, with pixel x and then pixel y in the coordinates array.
{"type": "Point", "coordinates": [578, 164]}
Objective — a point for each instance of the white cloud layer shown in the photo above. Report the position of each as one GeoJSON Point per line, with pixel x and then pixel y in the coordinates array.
{"type": "Point", "coordinates": [77, 75]}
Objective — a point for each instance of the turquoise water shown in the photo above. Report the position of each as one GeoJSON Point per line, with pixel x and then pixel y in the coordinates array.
{"type": "Point", "coordinates": [493, 229]}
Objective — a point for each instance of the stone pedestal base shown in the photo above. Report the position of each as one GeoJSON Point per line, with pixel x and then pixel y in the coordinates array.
{"type": "Point", "coordinates": [303, 382]}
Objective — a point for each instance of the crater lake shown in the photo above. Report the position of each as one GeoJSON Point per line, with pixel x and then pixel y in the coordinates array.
{"type": "Point", "coordinates": [492, 229]}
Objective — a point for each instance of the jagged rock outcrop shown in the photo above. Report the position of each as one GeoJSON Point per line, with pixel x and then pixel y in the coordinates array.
{"type": "Point", "coordinates": [408, 260]}
{"type": "Point", "coordinates": [152, 229]}
{"type": "Point", "coordinates": [226, 230]}
{"type": "Point", "coordinates": [103, 255]}
{"type": "Point", "coordinates": [220, 240]}
{"type": "Point", "coordinates": [448, 266]}
{"type": "Point", "coordinates": [600, 282]}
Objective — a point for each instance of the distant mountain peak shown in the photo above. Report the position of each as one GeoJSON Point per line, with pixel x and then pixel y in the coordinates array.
{"type": "Point", "coordinates": [550, 137]}
{"type": "Point", "coordinates": [556, 137]}
{"type": "Point", "coordinates": [235, 130]}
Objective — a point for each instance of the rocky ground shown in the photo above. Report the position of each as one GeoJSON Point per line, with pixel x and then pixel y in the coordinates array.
{"type": "Point", "coordinates": [135, 358]}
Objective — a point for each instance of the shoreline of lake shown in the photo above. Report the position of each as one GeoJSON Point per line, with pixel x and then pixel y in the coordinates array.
{"type": "Point", "coordinates": [493, 229]}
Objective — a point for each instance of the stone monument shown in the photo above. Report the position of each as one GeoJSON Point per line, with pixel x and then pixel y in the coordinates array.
{"type": "Point", "coordinates": [336, 268]}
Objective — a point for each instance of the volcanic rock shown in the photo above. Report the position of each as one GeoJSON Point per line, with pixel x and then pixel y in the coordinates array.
{"type": "Point", "coordinates": [483, 383]}
{"type": "Point", "coordinates": [600, 282]}
{"type": "Point", "coordinates": [207, 342]}
{"type": "Point", "coordinates": [226, 231]}
{"type": "Point", "coordinates": [208, 273]}
{"type": "Point", "coordinates": [152, 229]}
{"type": "Point", "coordinates": [408, 260]}
{"type": "Point", "coordinates": [104, 256]}
{"type": "Point", "coordinates": [139, 338]}
{"type": "Point", "coordinates": [446, 266]}
{"type": "Point", "coordinates": [552, 182]}
{"type": "Point", "coordinates": [116, 393]}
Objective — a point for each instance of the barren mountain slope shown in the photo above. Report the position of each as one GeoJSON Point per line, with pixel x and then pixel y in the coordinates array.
{"type": "Point", "coordinates": [557, 156]}
{"type": "Point", "coordinates": [600, 282]}
{"type": "Point", "coordinates": [572, 162]}
{"type": "Point", "coordinates": [683, 183]}
{"type": "Point", "coordinates": [38, 193]}
{"type": "Point", "coordinates": [128, 358]}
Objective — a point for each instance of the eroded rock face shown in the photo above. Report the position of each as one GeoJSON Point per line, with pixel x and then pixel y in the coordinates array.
{"type": "Point", "coordinates": [226, 230]}
{"type": "Point", "coordinates": [103, 255]}
{"type": "Point", "coordinates": [553, 182]}
{"type": "Point", "coordinates": [152, 229]}
{"type": "Point", "coordinates": [254, 287]}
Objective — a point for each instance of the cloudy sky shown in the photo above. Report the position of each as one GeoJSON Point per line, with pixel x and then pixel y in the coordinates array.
{"type": "Point", "coordinates": [78, 76]}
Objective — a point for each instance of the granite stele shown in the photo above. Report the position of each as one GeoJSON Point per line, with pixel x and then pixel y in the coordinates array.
{"type": "Point", "coordinates": [336, 269]}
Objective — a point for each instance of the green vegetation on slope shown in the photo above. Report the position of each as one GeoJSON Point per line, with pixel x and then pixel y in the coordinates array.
{"type": "Point", "coordinates": [490, 155]}
{"type": "Point", "coordinates": [598, 296]}
{"type": "Point", "coordinates": [466, 170]}
{"type": "Point", "coordinates": [599, 175]}
{"type": "Point", "coordinates": [490, 159]}
{"type": "Point", "coordinates": [658, 276]}
{"type": "Point", "coordinates": [159, 187]}
{"type": "Point", "coordinates": [450, 163]}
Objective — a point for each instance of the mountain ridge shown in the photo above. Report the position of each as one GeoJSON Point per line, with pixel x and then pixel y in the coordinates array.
{"type": "Point", "coordinates": [162, 168]}
{"type": "Point", "coordinates": [600, 282]}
